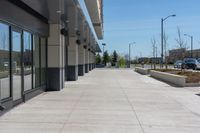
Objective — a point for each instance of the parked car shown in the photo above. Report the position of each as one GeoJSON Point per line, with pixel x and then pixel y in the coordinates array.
{"type": "Point", "coordinates": [198, 60]}
{"type": "Point", "coordinates": [191, 63]}
{"type": "Point", "coordinates": [178, 64]}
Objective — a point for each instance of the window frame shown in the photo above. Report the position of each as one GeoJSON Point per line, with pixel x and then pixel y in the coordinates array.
{"type": "Point", "coordinates": [10, 66]}
{"type": "Point", "coordinates": [22, 29]}
{"type": "Point", "coordinates": [16, 29]}
{"type": "Point", "coordinates": [31, 34]}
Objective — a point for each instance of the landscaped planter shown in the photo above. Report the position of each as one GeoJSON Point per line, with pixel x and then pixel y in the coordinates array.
{"type": "Point", "coordinates": [170, 78]}
{"type": "Point", "coordinates": [141, 70]}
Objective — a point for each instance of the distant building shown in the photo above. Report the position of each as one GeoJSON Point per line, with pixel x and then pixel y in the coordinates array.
{"type": "Point", "coordinates": [176, 54]}
{"type": "Point", "coordinates": [180, 54]}
{"type": "Point", "coordinates": [195, 53]}
{"type": "Point", "coordinates": [156, 60]}
{"type": "Point", "coordinates": [145, 60]}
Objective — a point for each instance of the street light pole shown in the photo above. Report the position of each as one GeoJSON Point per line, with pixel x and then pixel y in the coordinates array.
{"type": "Point", "coordinates": [162, 44]}
{"type": "Point", "coordinates": [156, 53]}
{"type": "Point", "coordinates": [130, 54]}
{"type": "Point", "coordinates": [162, 38]}
{"type": "Point", "coordinates": [191, 37]}
{"type": "Point", "coordinates": [191, 46]}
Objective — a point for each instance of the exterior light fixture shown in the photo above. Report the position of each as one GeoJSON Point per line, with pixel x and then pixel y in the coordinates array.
{"type": "Point", "coordinates": [130, 53]}
{"type": "Point", "coordinates": [162, 37]}
{"type": "Point", "coordinates": [78, 42]}
{"type": "Point", "coordinates": [64, 32]}
{"type": "Point", "coordinates": [85, 46]}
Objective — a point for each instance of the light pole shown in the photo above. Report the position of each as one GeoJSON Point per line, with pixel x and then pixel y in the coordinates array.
{"type": "Point", "coordinates": [155, 55]}
{"type": "Point", "coordinates": [162, 36]}
{"type": "Point", "coordinates": [130, 53]}
{"type": "Point", "coordinates": [156, 49]}
{"type": "Point", "coordinates": [191, 37]}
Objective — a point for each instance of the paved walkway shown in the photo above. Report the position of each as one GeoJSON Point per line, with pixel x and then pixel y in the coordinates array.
{"type": "Point", "coordinates": [109, 101]}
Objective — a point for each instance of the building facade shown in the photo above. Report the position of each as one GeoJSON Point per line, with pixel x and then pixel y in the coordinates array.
{"type": "Point", "coordinates": [180, 54]}
{"type": "Point", "coordinates": [195, 53]}
{"type": "Point", "coordinates": [176, 54]}
{"type": "Point", "coordinates": [43, 44]}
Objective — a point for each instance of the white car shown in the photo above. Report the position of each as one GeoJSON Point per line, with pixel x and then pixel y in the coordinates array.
{"type": "Point", "coordinates": [178, 64]}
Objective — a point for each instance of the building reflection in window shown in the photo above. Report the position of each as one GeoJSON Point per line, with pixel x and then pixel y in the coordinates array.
{"type": "Point", "coordinates": [4, 61]}
{"type": "Point", "coordinates": [16, 65]}
{"type": "Point", "coordinates": [27, 60]}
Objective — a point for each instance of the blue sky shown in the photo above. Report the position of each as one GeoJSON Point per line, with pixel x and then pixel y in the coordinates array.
{"type": "Point", "coordinates": [138, 21]}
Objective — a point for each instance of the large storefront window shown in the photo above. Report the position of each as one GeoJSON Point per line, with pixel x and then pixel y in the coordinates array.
{"type": "Point", "coordinates": [27, 60]}
{"type": "Point", "coordinates": [43, 61]}
{"type": "Point", "coordinates": [32, 61]}
{"type": "Point", "coordinates": [36, 57]}
{"type": "Point", "coordinates": [4, 61]}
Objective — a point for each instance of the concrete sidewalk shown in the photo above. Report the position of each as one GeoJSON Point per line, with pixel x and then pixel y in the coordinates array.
{"type": "Point", "coordinates": [109, 101]}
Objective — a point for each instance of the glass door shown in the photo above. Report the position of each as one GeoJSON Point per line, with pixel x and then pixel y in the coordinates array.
{"type": "Point", "coordinates": [27, 61]}
{"type": "Point", "coordinates": [5, 91]}
{"type": "Point", "coordinates": [16, 65]}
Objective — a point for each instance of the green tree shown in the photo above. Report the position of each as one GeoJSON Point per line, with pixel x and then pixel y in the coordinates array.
{"type": "Point", "coordinates": [114, 58]}
{"type": "Point", "coordinates": [122, 62]}
{"type": "Point", "coordinates": [106, 57]}
{"type": "Point", "coordinates": [98, 59]}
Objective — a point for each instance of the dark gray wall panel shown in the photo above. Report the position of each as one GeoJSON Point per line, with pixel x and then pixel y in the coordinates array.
{"type": "Point", "coordinates": [8, 104]}
{"type": "Point", "coordinates": [86, 68]}
{"type": "Point", "coordinates": [81, 70]}
{"type": "Point", "coordinates": [33, 93]}
{"type": "Point", "coordinates": [54, 79]}
{"type": "Point", "coordinates": [90, 67]}
{"type": "Point", "coordinates": [72, 73]}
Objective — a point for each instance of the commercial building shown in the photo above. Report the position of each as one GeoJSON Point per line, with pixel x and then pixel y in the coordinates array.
{"type": "Point", "coordinates": [176, 54]}
{"type": "Point", "coordinates": [180, 54]}
{"type": "Point", "coordinates": [146, 60]}
{"type": "Point", "coordinates": [195, 53]}
{"type": "Point", "coordinates": [43, 44]}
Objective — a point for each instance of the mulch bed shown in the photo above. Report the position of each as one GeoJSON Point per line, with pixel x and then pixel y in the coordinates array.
{"type": "Point", "coordinates": [192, 77]}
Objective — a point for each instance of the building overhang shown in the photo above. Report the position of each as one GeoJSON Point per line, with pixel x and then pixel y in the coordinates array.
{"type": "Point", "coordinates": [95, 10]}
{"type": "Point", "coordinates": [55, 15]}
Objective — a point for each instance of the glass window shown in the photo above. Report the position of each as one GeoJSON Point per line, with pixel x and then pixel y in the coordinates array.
{"type": "Point", "coordinates": [43, 61]}
{"type": "Point", "coordinates": [27, 60]}
{"type": "Point", "coordinates": [4, 61]}
{"type": "Point", "coordinates": [36, 58]}
{"type": "Point", "coordinates": [16, 65]}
